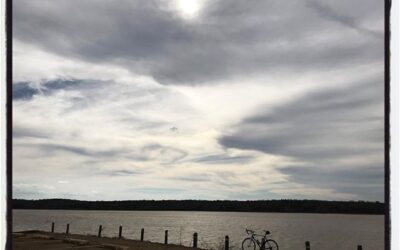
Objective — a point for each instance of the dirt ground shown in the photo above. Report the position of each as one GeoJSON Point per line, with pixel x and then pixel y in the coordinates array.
{"type": "Point", "coordinates": [37, 240]}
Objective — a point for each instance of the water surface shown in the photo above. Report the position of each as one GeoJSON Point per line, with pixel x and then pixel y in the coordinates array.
{"type": "Point", "coordinates": [324, 231]}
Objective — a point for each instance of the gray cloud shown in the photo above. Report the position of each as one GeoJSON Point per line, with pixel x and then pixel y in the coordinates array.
{"type": "Point", "coordinates": [122, 172]}
{"type": "Point", "coordinates": [223, 159]}
{"type": "Point", "coordinates": [330, 130]}
{"type": "Point", "coordinates": [23, 190]}
{"type": "Point", "coordinates": [366, 182]}
{"type": "Point", "coordinates": [369, 175]}
{"type": "Point", "coordinates": [328, 12]}
{"type": "Point", "coordinates": [323, 122]}
{"type": "Point", "coordinates": [23, 91]}
{"type": "Point", "coordinates": [51, 148]}
{"type": "Point", "coordinates": [26, 90]}
{"type": "Point", "coordinates": [198, 177]}
{"type": "Point", "coordinates": [145, 37]}
{"type": "Point", "coordinates": [166, 154]}
{"type": "Point", "coordinates": [156, 191]}
{"type": "Point", "coordinates": [24, 131]}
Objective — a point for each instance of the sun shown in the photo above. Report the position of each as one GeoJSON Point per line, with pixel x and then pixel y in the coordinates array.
{"type": "Point", "coordinates": [189, 9]}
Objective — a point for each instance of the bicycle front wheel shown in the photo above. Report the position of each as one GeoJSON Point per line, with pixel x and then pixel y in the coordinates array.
{"type": "Point", "coordinates": [248, 244]}
{"type": "Point", "coordinates": [271, 245]}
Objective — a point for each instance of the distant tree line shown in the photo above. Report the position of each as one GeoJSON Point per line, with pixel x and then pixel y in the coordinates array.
{"type": "Point", "coordinates": [285, 206]}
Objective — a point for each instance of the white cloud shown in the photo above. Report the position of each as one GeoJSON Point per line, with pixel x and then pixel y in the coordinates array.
{"type": "Point", "coordinates": [96, 115]}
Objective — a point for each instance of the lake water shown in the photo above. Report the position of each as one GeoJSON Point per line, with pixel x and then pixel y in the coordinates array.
{"type": "Point", "coordinates": [324, 231]}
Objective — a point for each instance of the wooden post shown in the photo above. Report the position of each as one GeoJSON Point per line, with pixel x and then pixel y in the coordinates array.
{"type": "Point", "coordinates": [142, 234]}
{"type": "Point", "coordinates": [100, 228]}
{"type": "Point", "coordinates": [308, 245]}
{"type": "Point", "coordinates": [67, 231]}
{"type": "Point", "coordinates": [166, 237]}
{"type": "Point", "coordinates": [52, 227]}
{"type": "Point", "coordinates": [359, 247]}
{"type": "Point", "coordinates": [195, 240]}
{"type": "Point", "coordinates": [227, 242]}
{"type": "Point", "coordinates": [120, 232]}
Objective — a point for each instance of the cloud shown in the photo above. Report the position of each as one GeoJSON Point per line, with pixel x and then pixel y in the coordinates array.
{"type": "Point", "coordinates": [368, 181]}
{"type": "Point", "coordinates": [263, 95]}
{"type": "Point", "coordinates": [328, 12]}
{"type": "Point", "coordinates": [21, 131]}
{"type": "Point", "coordinates": [165, 154]}
{"type": "Point", "coordinates": [122, 172]}
{"type": "Point", "coordinates": [337, 132]}
{"type": "Point", "coordinates": [27, 90]}
{"type": "Point", "coordinates": [22, 90]}
{"type": "Point", "coordinates": [75, 150]}
{"type": "Point", "coordinates": [32, 190]}
{"type": "Point", "coordinates": [147, 37]}
{"type": "Point", "coordinates": [223, 158]}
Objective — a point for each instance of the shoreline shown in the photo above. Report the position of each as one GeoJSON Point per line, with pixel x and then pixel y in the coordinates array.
{"type": "Point", "coordinates": [195, 211]}
{"type": "Point", "coordinates": [36, 239]}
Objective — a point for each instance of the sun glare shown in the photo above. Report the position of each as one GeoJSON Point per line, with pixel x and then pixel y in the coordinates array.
{"type": "Point", "coordinates": [189, 8]}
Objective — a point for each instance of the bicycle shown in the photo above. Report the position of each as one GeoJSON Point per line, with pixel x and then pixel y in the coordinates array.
{"type": "Point", "coordinates": [250, 243]}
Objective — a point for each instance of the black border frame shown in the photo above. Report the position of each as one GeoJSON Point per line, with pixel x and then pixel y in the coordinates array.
{"type": "Point", "coordinates": [9, 144]}
{"type": "Point", "coordinates": [388, 4]}
{"type": "Point", "coordinates": [9, 80]}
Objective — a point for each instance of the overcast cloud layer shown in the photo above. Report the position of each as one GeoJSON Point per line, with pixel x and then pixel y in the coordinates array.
{"type": "Point", "coordinates": [208, 99]}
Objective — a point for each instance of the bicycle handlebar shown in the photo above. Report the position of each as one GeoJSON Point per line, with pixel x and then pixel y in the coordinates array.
{"type": "Point", "coordinates": [248, 231]}
{"type": "Point", "coordinates": [251, 232]}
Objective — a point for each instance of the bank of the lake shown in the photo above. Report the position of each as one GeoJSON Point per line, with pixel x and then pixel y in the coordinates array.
{"type": "Point", "coordinates": [40, 240]}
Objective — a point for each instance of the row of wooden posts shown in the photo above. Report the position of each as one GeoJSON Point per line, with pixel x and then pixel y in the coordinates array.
{"type": "Point", "coordinates": [142, 235]}
{"type": "Point", "coordinates": [308, 246]}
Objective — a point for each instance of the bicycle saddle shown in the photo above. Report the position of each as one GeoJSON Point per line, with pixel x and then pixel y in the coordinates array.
{"type": "Point", "coordinates": [266, 232]}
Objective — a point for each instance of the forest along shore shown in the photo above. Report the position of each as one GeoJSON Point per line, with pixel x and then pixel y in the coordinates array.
{"type": "Point", "coordinates": [39, 240]}
{"type": "Point", "coordinates": [280, 206]}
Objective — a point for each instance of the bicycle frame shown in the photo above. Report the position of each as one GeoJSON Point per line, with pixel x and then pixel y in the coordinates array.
{"type": "Point", "coordinates": [255, 237]}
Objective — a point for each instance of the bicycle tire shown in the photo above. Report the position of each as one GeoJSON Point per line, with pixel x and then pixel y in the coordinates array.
{"type": "Point", "coordinates": [248, 244]}
{"type": "Point", "coordinates": [271, 245]}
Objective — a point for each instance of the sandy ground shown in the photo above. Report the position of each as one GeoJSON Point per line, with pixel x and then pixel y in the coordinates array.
{"type": "Point", "coordinates": [37, 240]}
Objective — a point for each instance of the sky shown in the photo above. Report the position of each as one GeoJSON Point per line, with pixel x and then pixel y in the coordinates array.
{"type": "Point", "coordinates": [198, 99]}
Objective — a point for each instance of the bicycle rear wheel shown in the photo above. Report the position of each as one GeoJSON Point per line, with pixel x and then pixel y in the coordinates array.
{"type": "Point", "coordinates": [271, 245]}
{"type": "Point", "coordinates": [248, 244]}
